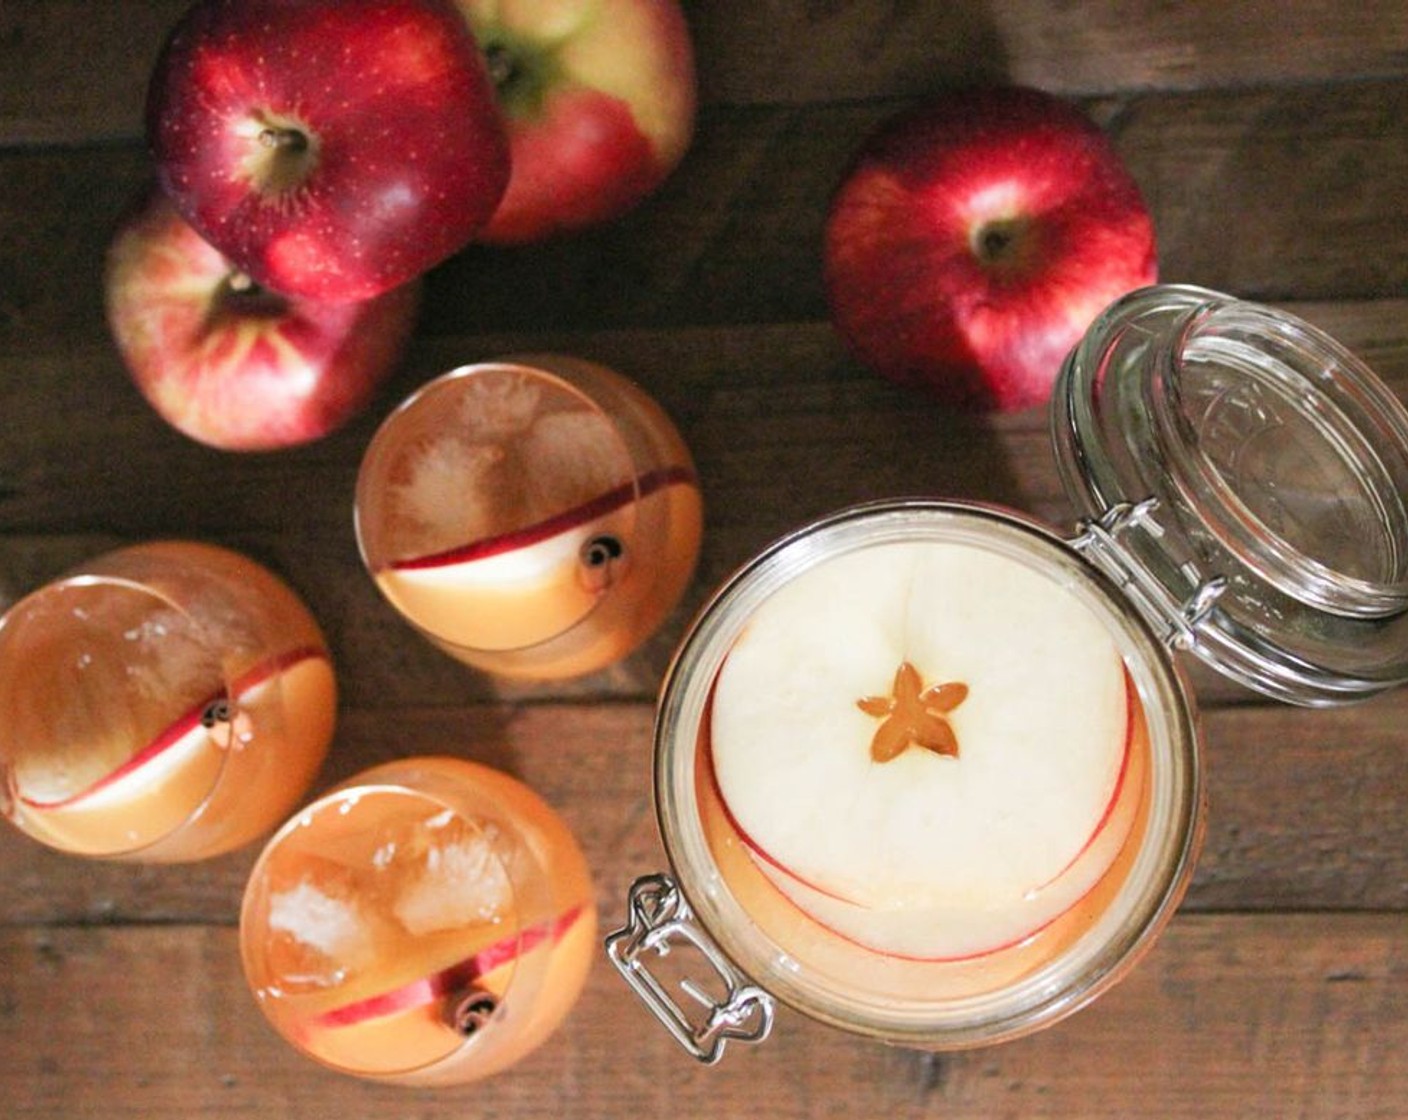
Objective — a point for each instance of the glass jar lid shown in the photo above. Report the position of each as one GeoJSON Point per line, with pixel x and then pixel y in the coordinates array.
{"type": "Point", "coordinates": [1243, 477]}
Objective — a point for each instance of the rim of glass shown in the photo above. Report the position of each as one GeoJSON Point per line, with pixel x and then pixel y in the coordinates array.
{"type": "Point", "coordinates": [42, 597]}
{"type": "Point", "coordinates": [630, 491]}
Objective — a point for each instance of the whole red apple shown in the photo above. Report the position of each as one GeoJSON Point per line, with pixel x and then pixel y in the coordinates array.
{"type": "Point", "coordinates": [599, 97]}
{"type": "Point", "coordinates": [332, 149]}
{"type": "Point", "coordinates": [228, 363]}
{"type": "Point", "coordinates": [975, 237]}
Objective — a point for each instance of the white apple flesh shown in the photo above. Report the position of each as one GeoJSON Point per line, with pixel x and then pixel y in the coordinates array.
{"type": "Point", "coordinates": [229, 364]}
{"type": "Point", "coordinates": [519, 588]}
{"type": "Point", "coordinates": [1011, 814]}
{"type": "Point", "coordinates": [955, 933]}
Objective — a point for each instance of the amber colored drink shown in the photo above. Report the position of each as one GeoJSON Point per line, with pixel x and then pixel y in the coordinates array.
{"type": "Point", "coordinates": [535, 517]}
{"type": "Point", "coordinates": [167, 701]}
{"type": "Point", "coordinates": [430, 921]}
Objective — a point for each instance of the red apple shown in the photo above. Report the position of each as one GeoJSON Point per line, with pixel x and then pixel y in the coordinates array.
{"type": "Point", "coordinates": [231, 364]}
{"type": "Point", "coordinates": [459, 977]}
{"type": "Point", "coordinates": [599, 97]}
{"type": "Point", "coordinates": [332, 149]}
{"type": "Point", "coordinates": [973, 240]}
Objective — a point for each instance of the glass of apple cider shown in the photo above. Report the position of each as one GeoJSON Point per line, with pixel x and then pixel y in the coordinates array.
{"type": "Point", "coordinates": [430, 921]}
{"type": "Point", "coordinates": [166, 701]}
{"type": "Point", "coordinates": [534, 517]}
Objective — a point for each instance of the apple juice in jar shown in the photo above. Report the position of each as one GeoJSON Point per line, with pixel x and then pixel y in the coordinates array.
{"type": "Point", "coordinates": [906, 770]}
{"type": "Point", "coordinates": [536, 517]}
{"type": "Point", "coordinates": [930, 772]}
{"type": "Point", "coordinates": [165, 701]}
{"type": "Point", "coordinates": [430, 921]}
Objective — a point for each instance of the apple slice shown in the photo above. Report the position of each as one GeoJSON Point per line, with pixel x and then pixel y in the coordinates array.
{"type": "Point", "coordinates": [518, 588]}
{"type": "Point", "coordinates": [954, 933]}
{"type": "Point", "coordinates": [459, 977]}
{"type": "Point", "coordinates": [924, 726]}
{"type": "Point", "coordinates": [157, 788]}
{"type": "Point", "coordinates": [414, 1024]}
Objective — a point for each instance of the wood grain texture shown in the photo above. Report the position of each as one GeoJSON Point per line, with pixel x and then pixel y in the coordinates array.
{"type": "Point", "coordinates": [77, 70]}
{"type": "Point", "coordinates": [1271, 142]}
{"type": "Point", "coordinates": [1261, 1018]}
{"type": "Point", "coordinates": [1305, 808]}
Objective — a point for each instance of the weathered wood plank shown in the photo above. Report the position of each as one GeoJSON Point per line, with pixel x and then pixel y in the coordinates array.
{"type": "Point", "coordinates": [86, 465]}
{"type": "Point", "coordinates": [1242, 1018]}
{"type": "Point", "coordinates": [1306, 808]}
{"type": "Point", "coordinates": [1274, 193]}
{"type": "Point", "coordinates": [786, 53]}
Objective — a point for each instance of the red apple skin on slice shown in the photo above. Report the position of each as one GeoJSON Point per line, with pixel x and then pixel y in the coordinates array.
{"type": "Point", "coordinates": [180, 775]}
{"type": "Point", "coordinates": [528, 587]}
{"type": "Point", "coordinates": [405, 1029]}
{"type": "Point", "coordinates": [938, 933]}
{"type": "Point", "coordinates": [802, 938]}
{"type": "Point", "coordinates": [429, 990]}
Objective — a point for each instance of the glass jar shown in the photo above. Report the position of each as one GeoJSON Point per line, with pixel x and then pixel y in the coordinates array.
{"type": "Point", "coordinates": [1240, 478]}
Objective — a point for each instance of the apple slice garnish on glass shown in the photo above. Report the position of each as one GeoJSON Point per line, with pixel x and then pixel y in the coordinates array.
{"type": "Point", "coordinates": [916, 728]}
{"type": "Point", "coordinates": [510, 543]}
{"type": "Point", "coordinates": [462, 993]}
{"type": "Point", "coordinates": [177, 768]}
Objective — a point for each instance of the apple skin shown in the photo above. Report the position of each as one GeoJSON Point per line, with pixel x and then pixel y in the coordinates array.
{"type": "Point", "coordinates": [973, 240]}
{"type": "Point", "coordinates": [182, 727]}
{"type": "Point", "coordinates": [599, 99]}
{"type": "Point", "coordinates": [332, 149]}
{"type": "Point", "coordinates": [234, 367]}
{"type": "Point", "coordinates": [428, 989]}
{"type": "Point", "coordinates": [593, 510]}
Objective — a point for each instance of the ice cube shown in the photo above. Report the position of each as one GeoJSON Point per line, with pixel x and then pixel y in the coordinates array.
{"type": "Point", "coordinates": [320, 937]}
{"type": "Point", "coordinates": [448, 495]}
{"type": "Point", "coordinates": [460, 881]}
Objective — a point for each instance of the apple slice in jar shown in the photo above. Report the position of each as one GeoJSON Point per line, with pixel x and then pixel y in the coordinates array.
{"type": "Point", "coordinates": [954, 933]}
{"type": "Point", "coordinates": [925, 726]}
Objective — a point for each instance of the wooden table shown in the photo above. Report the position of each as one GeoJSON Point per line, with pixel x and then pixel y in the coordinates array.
{"type": "Point", "coordinates": [1271, 142]}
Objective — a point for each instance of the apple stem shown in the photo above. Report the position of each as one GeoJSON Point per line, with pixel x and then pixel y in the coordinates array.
{"type": "Point", "coordinates": [499, 60]}
{"type": "Point", "coordinates": [286, 139]}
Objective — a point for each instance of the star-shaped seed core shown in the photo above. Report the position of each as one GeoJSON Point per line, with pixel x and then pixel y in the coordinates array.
{"type": "Point", "coordinates": [913, 715]}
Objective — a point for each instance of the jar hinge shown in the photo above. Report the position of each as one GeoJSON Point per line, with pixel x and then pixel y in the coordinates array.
{"type": "Point", "coordinates": [1179, 618]}
{"type": "Point", "coordinates": [659, 919]}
